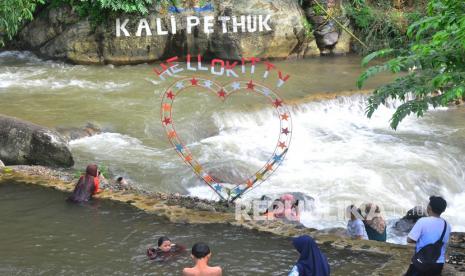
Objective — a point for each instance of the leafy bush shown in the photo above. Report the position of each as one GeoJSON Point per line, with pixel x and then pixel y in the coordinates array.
{"type": "Point", "coordinates": [433, 63]}
{"type": "Point", "coordinates": [379, 26]}
{"type": "Point", "coordinates": [14, 13]}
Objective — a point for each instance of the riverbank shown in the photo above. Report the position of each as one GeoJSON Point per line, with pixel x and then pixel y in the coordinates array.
{"type": "Point", "coordinates": [184, 209]}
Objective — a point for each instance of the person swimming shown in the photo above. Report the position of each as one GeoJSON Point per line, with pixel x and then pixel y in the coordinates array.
{"type": "Point", "coordinates": [121, 183]}
{"type": "Point", "coordinates": [201, 255]}
{"type": "Point", "coordinates": [165, 250]}
{"type": "Point", "coordinates": [312, 262]}
{"type": "Point", "coordinates": [87, 186]}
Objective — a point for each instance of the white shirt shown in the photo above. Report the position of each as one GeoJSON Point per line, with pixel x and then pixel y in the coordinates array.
{"type": "Point", "coordinates": [427, 231]}
{"type": "Point", "coordinates": [356, 228]}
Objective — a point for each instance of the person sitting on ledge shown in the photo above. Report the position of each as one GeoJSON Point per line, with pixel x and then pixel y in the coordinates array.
{"type": "Point", "coordinates": [165, 250]}
{"type": "Point", "coordinates": [431, 235]}
{"type": "Point", "coordinates": [201, 255]}
{"type": "Point", "coordinates": [312, 262]}
{"type": "Point", "coordinates": [87, 186]}
{"type": "Point", "coordinates": [375, 224]}
{"type": "Point", "coordinates": [355, 227]}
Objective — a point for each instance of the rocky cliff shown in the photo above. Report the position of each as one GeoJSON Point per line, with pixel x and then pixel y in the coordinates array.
{"type": "Point", "coordinates": [230, 29]}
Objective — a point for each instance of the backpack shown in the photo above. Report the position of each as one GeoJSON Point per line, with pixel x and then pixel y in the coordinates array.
{"type": "Point", "coordinates": [427, 256]}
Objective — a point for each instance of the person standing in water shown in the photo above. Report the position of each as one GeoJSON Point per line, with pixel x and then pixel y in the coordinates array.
{"type": "Point", "coordinates": [87, 186]}
{"type": "Point", "coordinates": [201, 255]}
{"type": "Point", "coordinates": [165, 250]}
{"type": "Point", "coordinates": [312, 262]}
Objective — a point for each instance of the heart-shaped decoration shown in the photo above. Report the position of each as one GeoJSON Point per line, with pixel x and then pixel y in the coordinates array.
{"type": "Point", "coordinates": [223, 92]}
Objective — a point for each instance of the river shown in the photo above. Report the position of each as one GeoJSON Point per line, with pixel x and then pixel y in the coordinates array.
{"type": "Point", "coordinates": [337, 155]}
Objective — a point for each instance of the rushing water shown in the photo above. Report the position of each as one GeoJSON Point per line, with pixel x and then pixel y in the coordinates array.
{"type": "Point", "coordinates": [337, 156]}
{"type": "Point", "coordinates": [42, 234]}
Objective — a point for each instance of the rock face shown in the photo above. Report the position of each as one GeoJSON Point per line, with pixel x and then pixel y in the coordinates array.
{"type": "Point", "coordinates": [24, 143]}
{"type": "Point", "coordinates": [57, 32]}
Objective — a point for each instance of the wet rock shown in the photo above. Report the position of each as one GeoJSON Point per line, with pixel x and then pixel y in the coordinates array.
{"type": "Point", "coordinates": [455, 260]}
{"type": "Point", "coordinates": [76, 133]}
{"type": "Point", "coordinates": [336, 231]}
{"type": "Point", "coordinates": [457, 240]}
{"type": "Point", "coordinates": [24, 143]}
{"type": "Point", "coordinates": [344, 42]}
{"type": "Point", "coordinates": [204, 207]}
{"type": "Point", "coordinates": [308, 200]}
{"type": "Point", "coordinates": [406, 223]}
{"type": "Point", "coordinates": [416, 213]}
{"type": "Point", "coordinates": [326, 31]}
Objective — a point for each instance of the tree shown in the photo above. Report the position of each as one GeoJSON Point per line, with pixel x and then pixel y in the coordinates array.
{"type": "Point", "coordinates": [14, 13]}
{"type": "Point", "coordinates": [432, 66]}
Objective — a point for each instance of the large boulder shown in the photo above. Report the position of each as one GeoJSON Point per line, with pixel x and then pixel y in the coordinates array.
{"type": "Point", "coordinates": [58, 32]}
{"type": "Point", "coordinates": [24, 143]}
{"type": "Point", "coordinates": [406, 223]}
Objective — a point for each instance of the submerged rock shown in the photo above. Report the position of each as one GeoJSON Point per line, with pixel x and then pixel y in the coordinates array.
{"type": "Point", "coordinates": [25, 143]}
{"type": "Point", "coordinates": [76, 133]}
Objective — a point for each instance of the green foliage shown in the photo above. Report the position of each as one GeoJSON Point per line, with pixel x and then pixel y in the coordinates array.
{"type": "Point", "coordinates": [433, 63]}
{"type": "Point", "coordinates": [100, 10]}
{"type": "Point", "coordinates": [308, 27]}
{"type": "Point", "coordinates": [14, 13]}
{"type": "Point", "coordinates": [318, 10]}
{"type": "Point", "coordinates": [379, 25]}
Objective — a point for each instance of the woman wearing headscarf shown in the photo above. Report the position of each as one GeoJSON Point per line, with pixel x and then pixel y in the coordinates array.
{"type": "Point", "coordinates": [375, 224]}
{"type": "Point", "coordinates": [312, 262]}
{"type": "Point", "coordinates": [87, 186]}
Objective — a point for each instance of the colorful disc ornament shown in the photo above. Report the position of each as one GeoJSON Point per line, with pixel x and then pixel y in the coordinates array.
{"type": "Point", "coordinates": [223, 92]}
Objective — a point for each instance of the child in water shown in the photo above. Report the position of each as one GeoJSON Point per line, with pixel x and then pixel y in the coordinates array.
{"type": "Point", "coordinates": [165, 250]}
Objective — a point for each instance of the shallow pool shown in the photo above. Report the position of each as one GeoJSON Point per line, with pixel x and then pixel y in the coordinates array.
{"type": "Point", "coordinates": [42, 234]}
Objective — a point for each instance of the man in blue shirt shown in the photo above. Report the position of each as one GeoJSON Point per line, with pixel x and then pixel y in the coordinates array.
{"type": "Point", "coordinates": [428, 230]}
